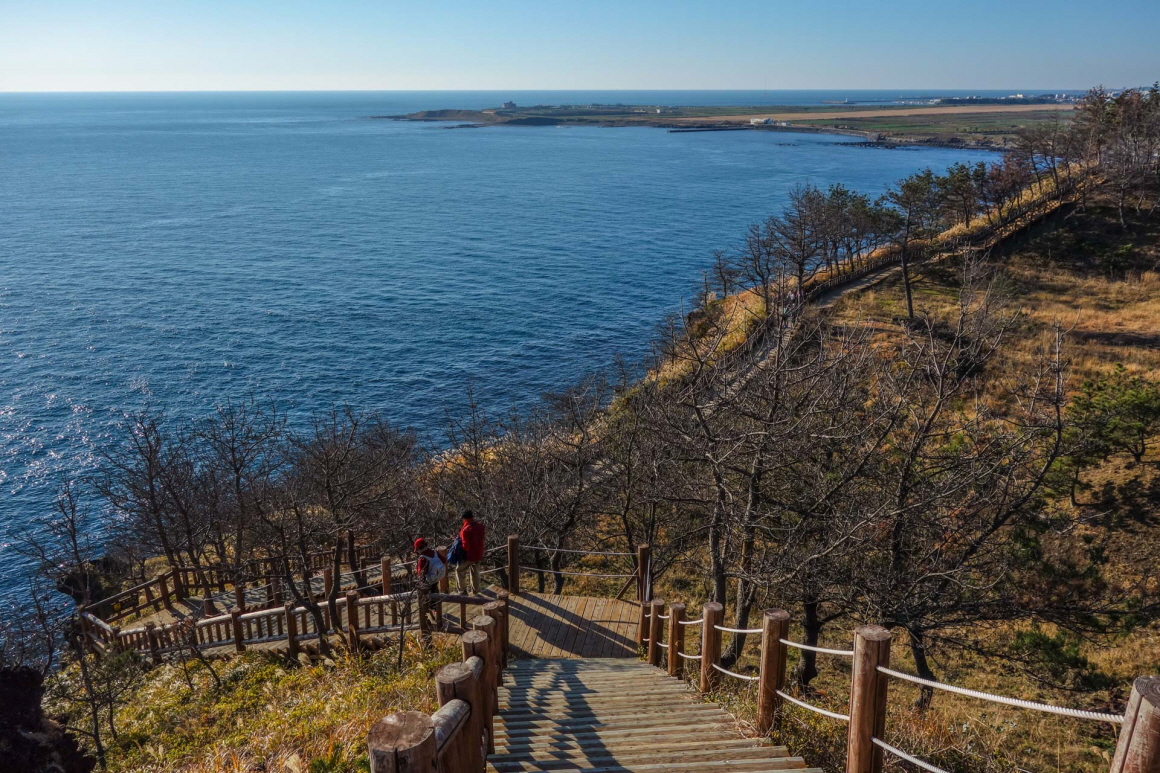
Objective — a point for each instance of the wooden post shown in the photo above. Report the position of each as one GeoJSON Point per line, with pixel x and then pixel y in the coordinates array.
{"type": "Point", "coordinates": [240, 595]}
{"type": "Point", "coordinates": [712, 614]}
{"type": "Point", "coordinates": [239, 641]}
{"type": "Point", "coordinates": [402, 743]}
{"type": "Point", "coordinates": [505, 625]}
{"type": "Point", "coordinates": [276, 590]}
{"type": "Point", "coordinates": [151, 638]}
{"type": "Point", "coordinates": [488, 625]}
{"type": "Point", "coordinates": [327, 581]}
{"type": "Point", "coordinates": [465, 682]}
{"type": "Point", "coordinates": [676, 639]}
{"type": "Point", "coordinates": [388, 580]}
{"type": "Point", "coordinates": [149, 600]}
{"type": "Point", "coordinates": [643, 569]}
{"type": "Point", "coordinates": [445, 580]}
{"type": "Point", "coordinates": [421, 601]}
{"type": "Point", "coordinates": [179, 585]}
{"type": "Point", "coordinates": [642, 623]}
{"type": "Point", "coordinates": [1138, 750]}
{"type": "Point", "coordinates": [513, 567]}
{"type": "Point", "coordinates": [166, 596]}
{"type": "Point", "coordinates": [774, 628]}
{"type": "Point", "coordinates": [497, 611]}
{"type": "Point", "coordinates": [291, 631]}
{"type": "Point", "coordinates": [655, 632]}
{"type": "Point", "coordinates": [476, 643]}
{"type": "Point", "coordinates": [867, 699]}
{"type": "Point", "coordinates": [352, 620]}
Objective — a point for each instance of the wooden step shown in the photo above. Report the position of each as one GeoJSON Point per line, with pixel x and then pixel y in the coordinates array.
{"type": "Point", "coordinates": [615, 710]}
{"type": "Point", "coordinates": [703, 766]}
{"type": "Point", "coordinates": [594, 760]}
{"type": "Point", "coordinates": [618, 716]}
{"type": "Point", "coordinates": [553, 697]}
{"type": "Point", "coordinates": [618, 733]}
{"type": "Point", "coordinates": [713, 717]}
{"type": "Point", "coordinates": [615, 688]}
{"type": "Point", "coordinates": [555, 749]}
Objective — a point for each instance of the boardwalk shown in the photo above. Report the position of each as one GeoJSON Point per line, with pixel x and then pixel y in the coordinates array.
{"type": "Point", "coordinates": [618, 715]}
{"type": "Point", "coordinates": [548, 626]}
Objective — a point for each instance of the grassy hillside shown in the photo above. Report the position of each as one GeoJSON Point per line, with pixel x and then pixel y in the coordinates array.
{"type": "Point", "coordinates": [267, 714]}
{"type": "Point", "coordinates": [1100, 281]}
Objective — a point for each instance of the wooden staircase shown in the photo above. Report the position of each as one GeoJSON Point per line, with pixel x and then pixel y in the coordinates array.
{"type": "Point", "coordinates": [603, 715]}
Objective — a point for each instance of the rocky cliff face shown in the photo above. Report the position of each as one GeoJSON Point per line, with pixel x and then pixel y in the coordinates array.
{"type": "Point", "coordinates": [29, 741]}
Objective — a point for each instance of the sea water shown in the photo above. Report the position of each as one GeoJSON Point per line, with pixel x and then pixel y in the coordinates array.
{"type": "Point", "coordinates": [178, 250]}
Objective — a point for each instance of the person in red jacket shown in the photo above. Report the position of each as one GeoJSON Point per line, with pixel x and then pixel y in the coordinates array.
{"type": "Point", "coordinates": [471, 537]}
{"type": "Point", "coordinates": [429, 569]}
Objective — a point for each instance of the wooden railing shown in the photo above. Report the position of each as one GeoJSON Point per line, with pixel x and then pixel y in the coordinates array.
{"type": "Point", "coordinates": [665, 639]}
{"type": "Point", "coordinates": [638, 573]}
{"type": "Point", "coordinates": [261, 612]}
{"type": "Point", "coordinates": [458, 737]}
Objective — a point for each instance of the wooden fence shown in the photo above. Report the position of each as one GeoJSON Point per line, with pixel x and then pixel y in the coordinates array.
{"type": "Point", "coordinates": [458, 737]}
{"type": "Point", "coordinates": [262, 614]}
{"type": "Point", "coordinates": [665, 640]}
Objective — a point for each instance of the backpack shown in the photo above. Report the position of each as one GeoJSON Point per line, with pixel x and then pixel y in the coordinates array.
{"type": "Point", "coordinates": [456, 554]}
{"type": "Point", "coordinates": [434, 571]}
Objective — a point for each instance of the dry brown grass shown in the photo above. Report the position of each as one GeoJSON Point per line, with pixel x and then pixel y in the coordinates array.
{"type": "Point", "coordinates": [270, 714]}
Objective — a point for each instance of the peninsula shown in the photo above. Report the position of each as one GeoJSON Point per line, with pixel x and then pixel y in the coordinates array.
{"type": "Point", "coordinates": [961, 123]}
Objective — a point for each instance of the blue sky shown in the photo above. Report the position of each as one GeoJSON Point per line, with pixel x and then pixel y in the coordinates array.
{"type": "Point", "coordinates": [113, 45]}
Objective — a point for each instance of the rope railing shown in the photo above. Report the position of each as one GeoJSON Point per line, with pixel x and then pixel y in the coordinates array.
{"type": "Point", "coordinates": [737, 630]}
{"type": "Point", "coordinates": [734, 674]}
{"type": "Point", "coordinates": [908, 758]}
{"type": "Point", "coordinates": [1094, 716]}
{"type": "Point", "coordinates": [690, 622]}
{"type": "Point", "coordinates": [813, 708]}
{"type": "Point", "coordinates": [578, 552]}
{"type": "Point", "coordinates": [663, 617]}
{"type": "Point", "coordinates": [573, 574]}
{"type": "Point", "coordinates": [687, 656]}
{"type": "Point", "coordinates": [822, 650]}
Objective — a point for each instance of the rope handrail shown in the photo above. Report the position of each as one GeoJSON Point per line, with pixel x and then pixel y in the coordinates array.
{"type": "Point", "coordinates": [734, 673]}
{"type": "Point", "coordinates": [493, 550]}
{"type": "Point", "coordinates": [573, 574]}
{"type": "Point", "coordinates": [737, 630]}
{"type": "Point", "coordinates": [811, 707]}
{"type": "Point", "coordinates": [690, 622]}
{"type": "Point", "coordinates": [687, 656]}
{"type": "Point", "coordinates": [663, 617]}
{"type": "Point", "coordinates": [579, 552]}
{"type": "Point", "coordinates": [1095, 716]}
{"type": "Point", "coordinates": [491, 571]}
{"type": "Point", "coordinates": [823, 650]}
{"type": "Point", "coordinates": [904, 756]}
{"type": "Point", "coordinates": [662, 644]}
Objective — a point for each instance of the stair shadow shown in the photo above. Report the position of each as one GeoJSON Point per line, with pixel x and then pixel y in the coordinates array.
{"type": "Point", "coordinates": [536, 613]}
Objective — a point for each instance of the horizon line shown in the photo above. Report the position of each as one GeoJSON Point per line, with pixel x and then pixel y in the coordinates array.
{"type": "Point", "coordinates": [526, 90]}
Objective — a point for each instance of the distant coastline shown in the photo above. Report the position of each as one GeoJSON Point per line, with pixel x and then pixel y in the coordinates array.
{"type": "Point", "coordinates": [989, 124]}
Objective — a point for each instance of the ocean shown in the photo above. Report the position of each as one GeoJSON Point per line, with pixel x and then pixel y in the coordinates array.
{"type": "Point", "coordinates": [179, 250]}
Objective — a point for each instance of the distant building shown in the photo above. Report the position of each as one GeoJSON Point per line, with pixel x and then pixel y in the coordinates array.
{"type": "Point", "coordinates": [760, 121]}
{"type": "Point", "coordinates": [509, 105]}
